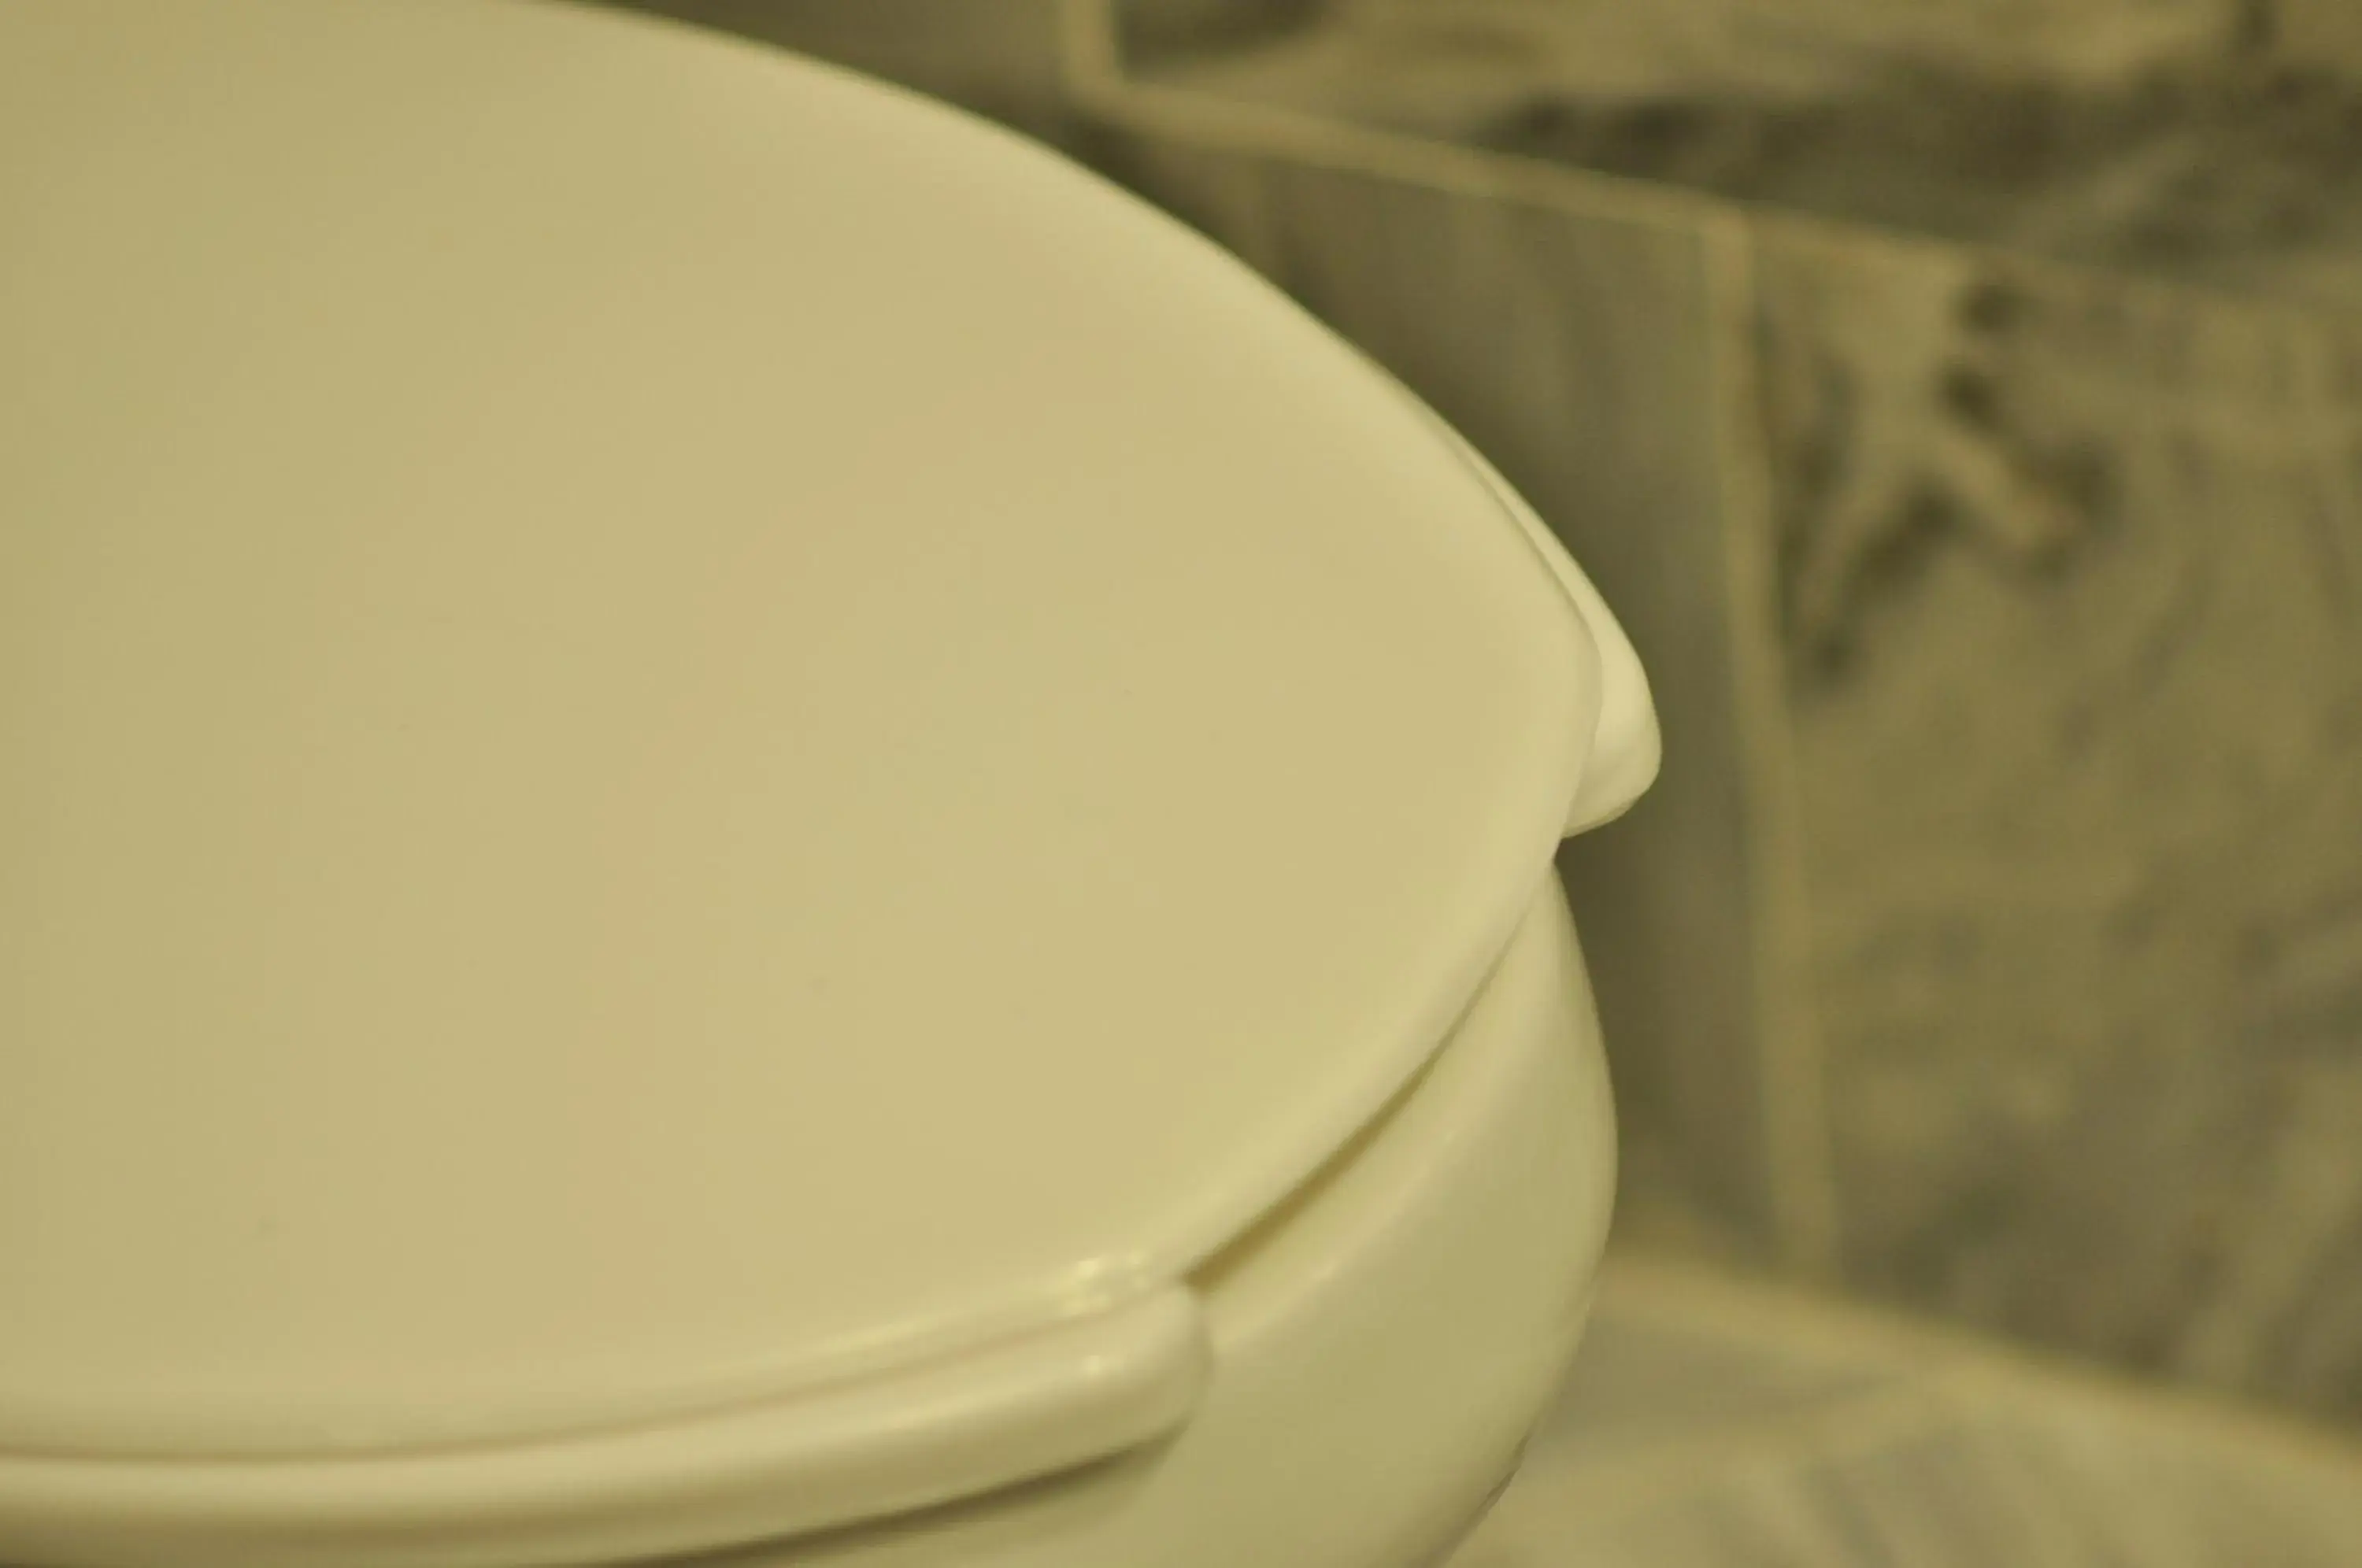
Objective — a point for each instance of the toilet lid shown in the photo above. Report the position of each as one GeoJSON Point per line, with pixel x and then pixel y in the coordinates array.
{"type": "Point", "coordinates": [678, 727]}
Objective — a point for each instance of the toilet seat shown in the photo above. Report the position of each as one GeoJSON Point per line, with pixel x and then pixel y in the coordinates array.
{"type": "Point", "coordinates": [725, 773]}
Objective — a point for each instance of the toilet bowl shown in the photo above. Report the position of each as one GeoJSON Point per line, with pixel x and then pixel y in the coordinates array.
{"type": "Point", "coordinates": [745, 826]}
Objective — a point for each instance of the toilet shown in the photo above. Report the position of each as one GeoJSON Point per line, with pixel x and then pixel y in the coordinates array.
{"type": "Point", "coordinates": [742, 825]}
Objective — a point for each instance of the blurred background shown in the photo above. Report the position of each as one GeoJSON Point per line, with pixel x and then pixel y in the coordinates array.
{"type": "Point", "coordinates": [1961, 401]}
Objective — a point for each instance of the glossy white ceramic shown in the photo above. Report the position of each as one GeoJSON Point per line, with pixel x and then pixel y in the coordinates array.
{"type": "Point", "coordinates": [722, 788]}
{"type": "Point", "coordinates": [1379, 1347]}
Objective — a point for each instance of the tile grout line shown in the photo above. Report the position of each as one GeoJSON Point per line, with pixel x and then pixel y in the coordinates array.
{"type": "Point", "coordinates": [1089, 63]}
{"type": "Point", "coordinates": [1791, 1070]}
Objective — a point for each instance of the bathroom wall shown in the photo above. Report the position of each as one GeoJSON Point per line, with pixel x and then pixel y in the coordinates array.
{"type": "Point", "coordinates": [1962, 403]}
{"type": "Point", "coordinates": [2074, 683]}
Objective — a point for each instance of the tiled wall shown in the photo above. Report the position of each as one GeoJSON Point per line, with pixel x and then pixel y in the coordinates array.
{"type": "Point", "coordinates": [1963, 405]}
{"type": "Point", "coordinates": [2073, 616]}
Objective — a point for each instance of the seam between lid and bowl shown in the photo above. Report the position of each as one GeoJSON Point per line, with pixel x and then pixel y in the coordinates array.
{"type": "Point", "coordinates": [1092, 1385]}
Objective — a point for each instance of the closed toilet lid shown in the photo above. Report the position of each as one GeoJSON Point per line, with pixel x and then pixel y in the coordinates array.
{"type": "Point", "coordinates": [678, 728]}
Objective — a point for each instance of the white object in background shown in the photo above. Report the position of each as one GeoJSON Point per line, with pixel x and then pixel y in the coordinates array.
{"type": "Point", "coordinates": [732, 809]}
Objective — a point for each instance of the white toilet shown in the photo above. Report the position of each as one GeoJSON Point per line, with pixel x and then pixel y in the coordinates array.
{"type": "Point", "coordinates": [737, 820]}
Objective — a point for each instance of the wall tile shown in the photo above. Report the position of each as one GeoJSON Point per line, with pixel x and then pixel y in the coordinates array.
{"type": "Point", "coordinates": [2072, 586]}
